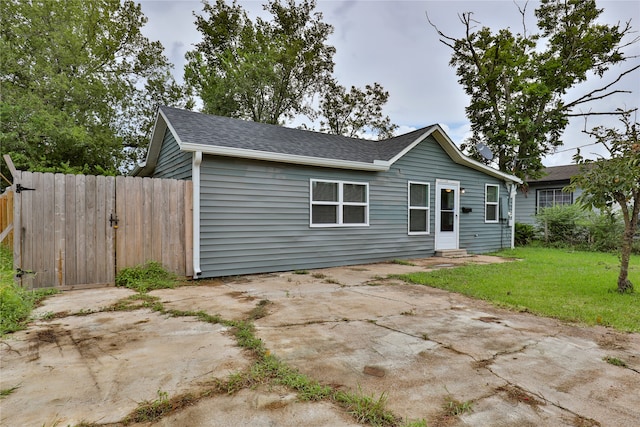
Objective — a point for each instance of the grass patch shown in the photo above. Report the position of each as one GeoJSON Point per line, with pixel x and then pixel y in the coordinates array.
{"type": "Point", "coordinates": [8, 391]}
{"type": "Point", "coordinates": [454, 408]}
{"type": "Point", "coordinates": [16, 303]}
{"type": "Point", "coordinates": [615, 361]}
{"type": "Point", "coordinates": [146, 277]}
{"type": "Point", "coordinates": [568, 285]}
{"type": "Point", "coordinates": [366, 409]}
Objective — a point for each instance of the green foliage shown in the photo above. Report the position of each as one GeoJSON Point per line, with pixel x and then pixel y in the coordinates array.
{"type": "Point", "coordinates": [562, 224]}
{"type": "Point", "coordinates": [524, 234]}
{"type": "Point", "coordinates": [263, 71]}
{"type": "Point", "coordinates": [615, 182]}
{"type": "Point", "coordinates": [16, 303]}
{"type": "Point", "coordinates": [454, 407]}
{"type": "Point", "coordinates": [80, 84]}
{"type": "Point", "coordinates": [8, 391]}
{"type": "Point", "coordinates": [147, 277]}
{"type": "Point", "coordinates": [356, 112]}
{"type": "Point", "coordinates": [615, 361]}
{"type": "Point", "coordinates": [152, 410]}
{"type": "Point", "coordinates": [564, 284]}
{"type": "Point", "coordinates": [366, 409]}
{"type": "Point", "coordinates": [518, 82]}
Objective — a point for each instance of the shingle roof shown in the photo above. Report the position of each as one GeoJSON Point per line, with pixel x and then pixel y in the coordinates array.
{"type": "Point", "coordinates": [208, 130]}
{"type": "Point", "coordinates": [558, 173]}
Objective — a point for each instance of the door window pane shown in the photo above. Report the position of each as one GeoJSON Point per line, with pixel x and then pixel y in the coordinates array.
{"type": "Point", "coordinates": [446, 221]}
{"type": "Point", "coordinates": [447, 199]}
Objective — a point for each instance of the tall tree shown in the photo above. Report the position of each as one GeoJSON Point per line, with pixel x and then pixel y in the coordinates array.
{"type": "Point", "coordinates": [615, 181]}
{"type": "Point", "coordinates": [265, 71]}
{"type": "Point", "coordinates": [355, 113]}
{"type": "Point", "coordinates": [518, 82]}
{"type": "Point", "coordinates": [79, 84]}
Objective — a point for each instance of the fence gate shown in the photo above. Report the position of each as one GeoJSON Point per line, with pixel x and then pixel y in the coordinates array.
{"type": "Point", "coordinates": [77, 230]}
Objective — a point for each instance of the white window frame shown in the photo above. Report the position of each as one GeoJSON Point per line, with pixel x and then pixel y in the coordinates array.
{"type": "Point", "coordinates": [488, 203]}
{"type": "Point", "coordinates": [555, 191]}
{"type": "Point", "coordinates": [410, 208]}
{"type": "Point", "coordinates": [340, 203]}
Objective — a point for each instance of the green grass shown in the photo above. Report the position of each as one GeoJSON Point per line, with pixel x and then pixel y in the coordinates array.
{"type": "Point", "coordinates": [146, 277]}
{"type": "Point", "coordinates": [568, 285]}
{"type": "Point", "coordinates": [16, 303]}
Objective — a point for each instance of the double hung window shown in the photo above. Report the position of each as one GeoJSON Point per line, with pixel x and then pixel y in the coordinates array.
{"type": "Point", "coordinates": [339, 203]}
{"type": "Point", "coordinates": [419, 208]}
{"type": "Point", "coordinates": [491, 193]}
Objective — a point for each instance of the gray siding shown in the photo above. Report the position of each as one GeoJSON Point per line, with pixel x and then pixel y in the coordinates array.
{"type": "Point", "coordinates": [172, 163]}
{"type": "Point", "coordinates": [526, 204]}
{"type": "Point", "coordinates": [255, 215]}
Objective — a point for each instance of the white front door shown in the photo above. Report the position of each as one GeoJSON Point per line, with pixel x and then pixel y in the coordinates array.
{"type": "Point", "coordinates": [447, 201]}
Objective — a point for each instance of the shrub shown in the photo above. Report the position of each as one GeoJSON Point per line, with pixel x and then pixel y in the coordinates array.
{"type": "Point", "coordinates": [605, 231]}
{"type": "Point", "coordinates": [16, 303]}
{"type": "Point", "coordinates": [563, 224]}
{"type": "Point", "coordinates": [524, 234]}
{"type": "Point", "coordinates": [146, 277]}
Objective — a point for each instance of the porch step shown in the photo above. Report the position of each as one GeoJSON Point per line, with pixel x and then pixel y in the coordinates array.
{"type": "Point", "coordinates": [452, 253]}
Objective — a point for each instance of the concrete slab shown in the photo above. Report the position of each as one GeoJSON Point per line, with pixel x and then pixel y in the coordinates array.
{"type": "Point", "coordinates": [97, 368]}
{"type": "Point", "coordinates": [350, 328]}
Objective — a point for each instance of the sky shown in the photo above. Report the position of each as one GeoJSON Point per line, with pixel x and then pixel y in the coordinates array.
{"type": "Point", "coordinates": [392, 43]}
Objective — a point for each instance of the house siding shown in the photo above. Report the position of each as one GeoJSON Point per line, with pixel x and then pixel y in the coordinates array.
{"type": "Point", "coordinates": [526, 204]}
{"type": "Point", "coordinates": [255, 215]}
{"type": "Point", "coordinates": [172, 163]}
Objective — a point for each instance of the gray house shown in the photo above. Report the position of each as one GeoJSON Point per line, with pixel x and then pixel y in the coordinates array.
{"type": "Point", "coordinates": [546, 192]}
{"type": "Point", "coordinates": [269, 198]}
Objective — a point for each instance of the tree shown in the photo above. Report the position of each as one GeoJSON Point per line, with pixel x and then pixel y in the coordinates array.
{"type": "Point", "coordinates": [615, 181]}
{"type": "Point", "coordinates": [79, 83]}
{"type": "Point", "coordinates": [518, 82]}
{"type": "Point", "coordinates": [355, 113]}
{"type": "Point", "coordinates": [265, 71]}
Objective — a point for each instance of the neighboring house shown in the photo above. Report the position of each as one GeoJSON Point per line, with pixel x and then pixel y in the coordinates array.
{"type": "Point", "coordinates": [269, 198]}
{"type": "Point", "coordinates": [546, 192]}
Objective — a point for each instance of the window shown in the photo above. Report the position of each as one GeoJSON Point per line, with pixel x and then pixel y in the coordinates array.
{"type": "Point", "coordinates": [337, 203]}
{"type": "Point", "coordinates": [418, 208]}
{"type": "Point", "coordinates": [553, 197]}
{"type": "Point", "coordinates": [491, 193]}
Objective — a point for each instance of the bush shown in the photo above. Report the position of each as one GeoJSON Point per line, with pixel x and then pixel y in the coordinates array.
{"type": "Point", "coordinates": [605, 232]}
{"type": "Point", "coordinates": [524, 234]}
{"type": "Point", "coordinates": [146, 277]}
{"type": "Point", "coordinates": [16, 303]}
{"type": "Point", "coordinates": [563, 224]}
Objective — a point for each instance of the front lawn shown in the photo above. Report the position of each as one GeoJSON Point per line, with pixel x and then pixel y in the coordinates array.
{"type": "Point", "coordinates": [564, 284]}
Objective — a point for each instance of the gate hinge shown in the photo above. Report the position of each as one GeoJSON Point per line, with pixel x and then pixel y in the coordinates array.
{"type": "Point", "coordinates": [20, 188]}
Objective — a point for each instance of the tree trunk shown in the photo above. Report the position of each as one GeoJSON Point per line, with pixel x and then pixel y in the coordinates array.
{"type": "Point", "coordinates": [624, 284]}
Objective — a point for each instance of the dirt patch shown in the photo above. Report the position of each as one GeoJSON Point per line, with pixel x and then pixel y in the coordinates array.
{"type": "Point", "coordinates": [242, 296]}
{"type": "Point", "coordinates": [515, 394]}
{"type": "Point", "coordinates": [612, 341]}
{"type": "Point", "coordinates": [46, 335]}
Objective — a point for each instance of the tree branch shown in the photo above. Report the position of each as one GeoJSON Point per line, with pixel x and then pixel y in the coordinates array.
{"type": "Point", "coordinates": [589, 96]}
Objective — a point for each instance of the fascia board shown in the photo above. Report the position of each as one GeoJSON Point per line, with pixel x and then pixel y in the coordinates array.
{"type": "Point", "coordinates": [377, 165]}
{"type": "Point", "coordinates": [155, 145]}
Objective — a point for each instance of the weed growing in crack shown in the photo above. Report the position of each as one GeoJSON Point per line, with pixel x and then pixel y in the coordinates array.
{"type": "Point", "coordinates": [366, 409]}
{"type": "Point", "coordinates": [454, 407]}
{"type": "Point", "coordinates": [301, 272]}
{"type": "Point", "coordinates": [151, 410]}
{"type": "Point", "coordinates": [402, 262]}
{"type": "Point", "coordinates": [318, 276]}
{"type": "Point", "coordinates": [259, 310]}
{"type": "Point", "coordinates": [615, 361]}
{"type": "Point", "coordinates": [8, 391]}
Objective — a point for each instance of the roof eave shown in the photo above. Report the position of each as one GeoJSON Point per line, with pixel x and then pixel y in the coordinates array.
{"type": "Point", "coordinates": [155, 144]}
{"type": "Point", "coordinates": [216, 150]}
{"type": "Point", "coordinates": [456, 155]}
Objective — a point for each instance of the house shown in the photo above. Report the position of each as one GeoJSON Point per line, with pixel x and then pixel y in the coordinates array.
{"type": "Point", "coordinates": [269, 198]}
{"type": "Point", "coordinates": [546, 192]}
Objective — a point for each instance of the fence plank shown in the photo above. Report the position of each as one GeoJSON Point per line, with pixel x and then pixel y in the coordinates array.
{"type": "Point", "coordinates": [60, 225]}
{"type": "Point", "coordinates": [65, 238]}
{"type": "Point", "coordinates": [71, 218]}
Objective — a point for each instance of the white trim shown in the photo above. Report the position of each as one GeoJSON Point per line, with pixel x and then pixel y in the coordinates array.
{"type": "Point", "coordinates": [513, 189]}
{"type": "Point", "coordinates": [456, 224]}
{"type": "Point", "coordinates": [376, 166]}
{"type": "Point", "coordinates": [339, 204]}
{"type": "Point", "coordinates": [427, 209]}
{"type": "Point", "coordinates": [197, 161]}
{"type": "Point", "coordinates": [496, 204]}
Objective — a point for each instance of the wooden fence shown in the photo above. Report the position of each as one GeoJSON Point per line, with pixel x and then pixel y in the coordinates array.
{"type": "Point", "coordinates": [6, 218]}
{"type": "Point", "coordinates": [77, 230]}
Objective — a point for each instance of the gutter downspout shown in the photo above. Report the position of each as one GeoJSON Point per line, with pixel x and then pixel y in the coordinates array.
{"type": "Point", "coordinates": [513, 189]}
{"type": "Point", "coordinates": [197, 160]}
